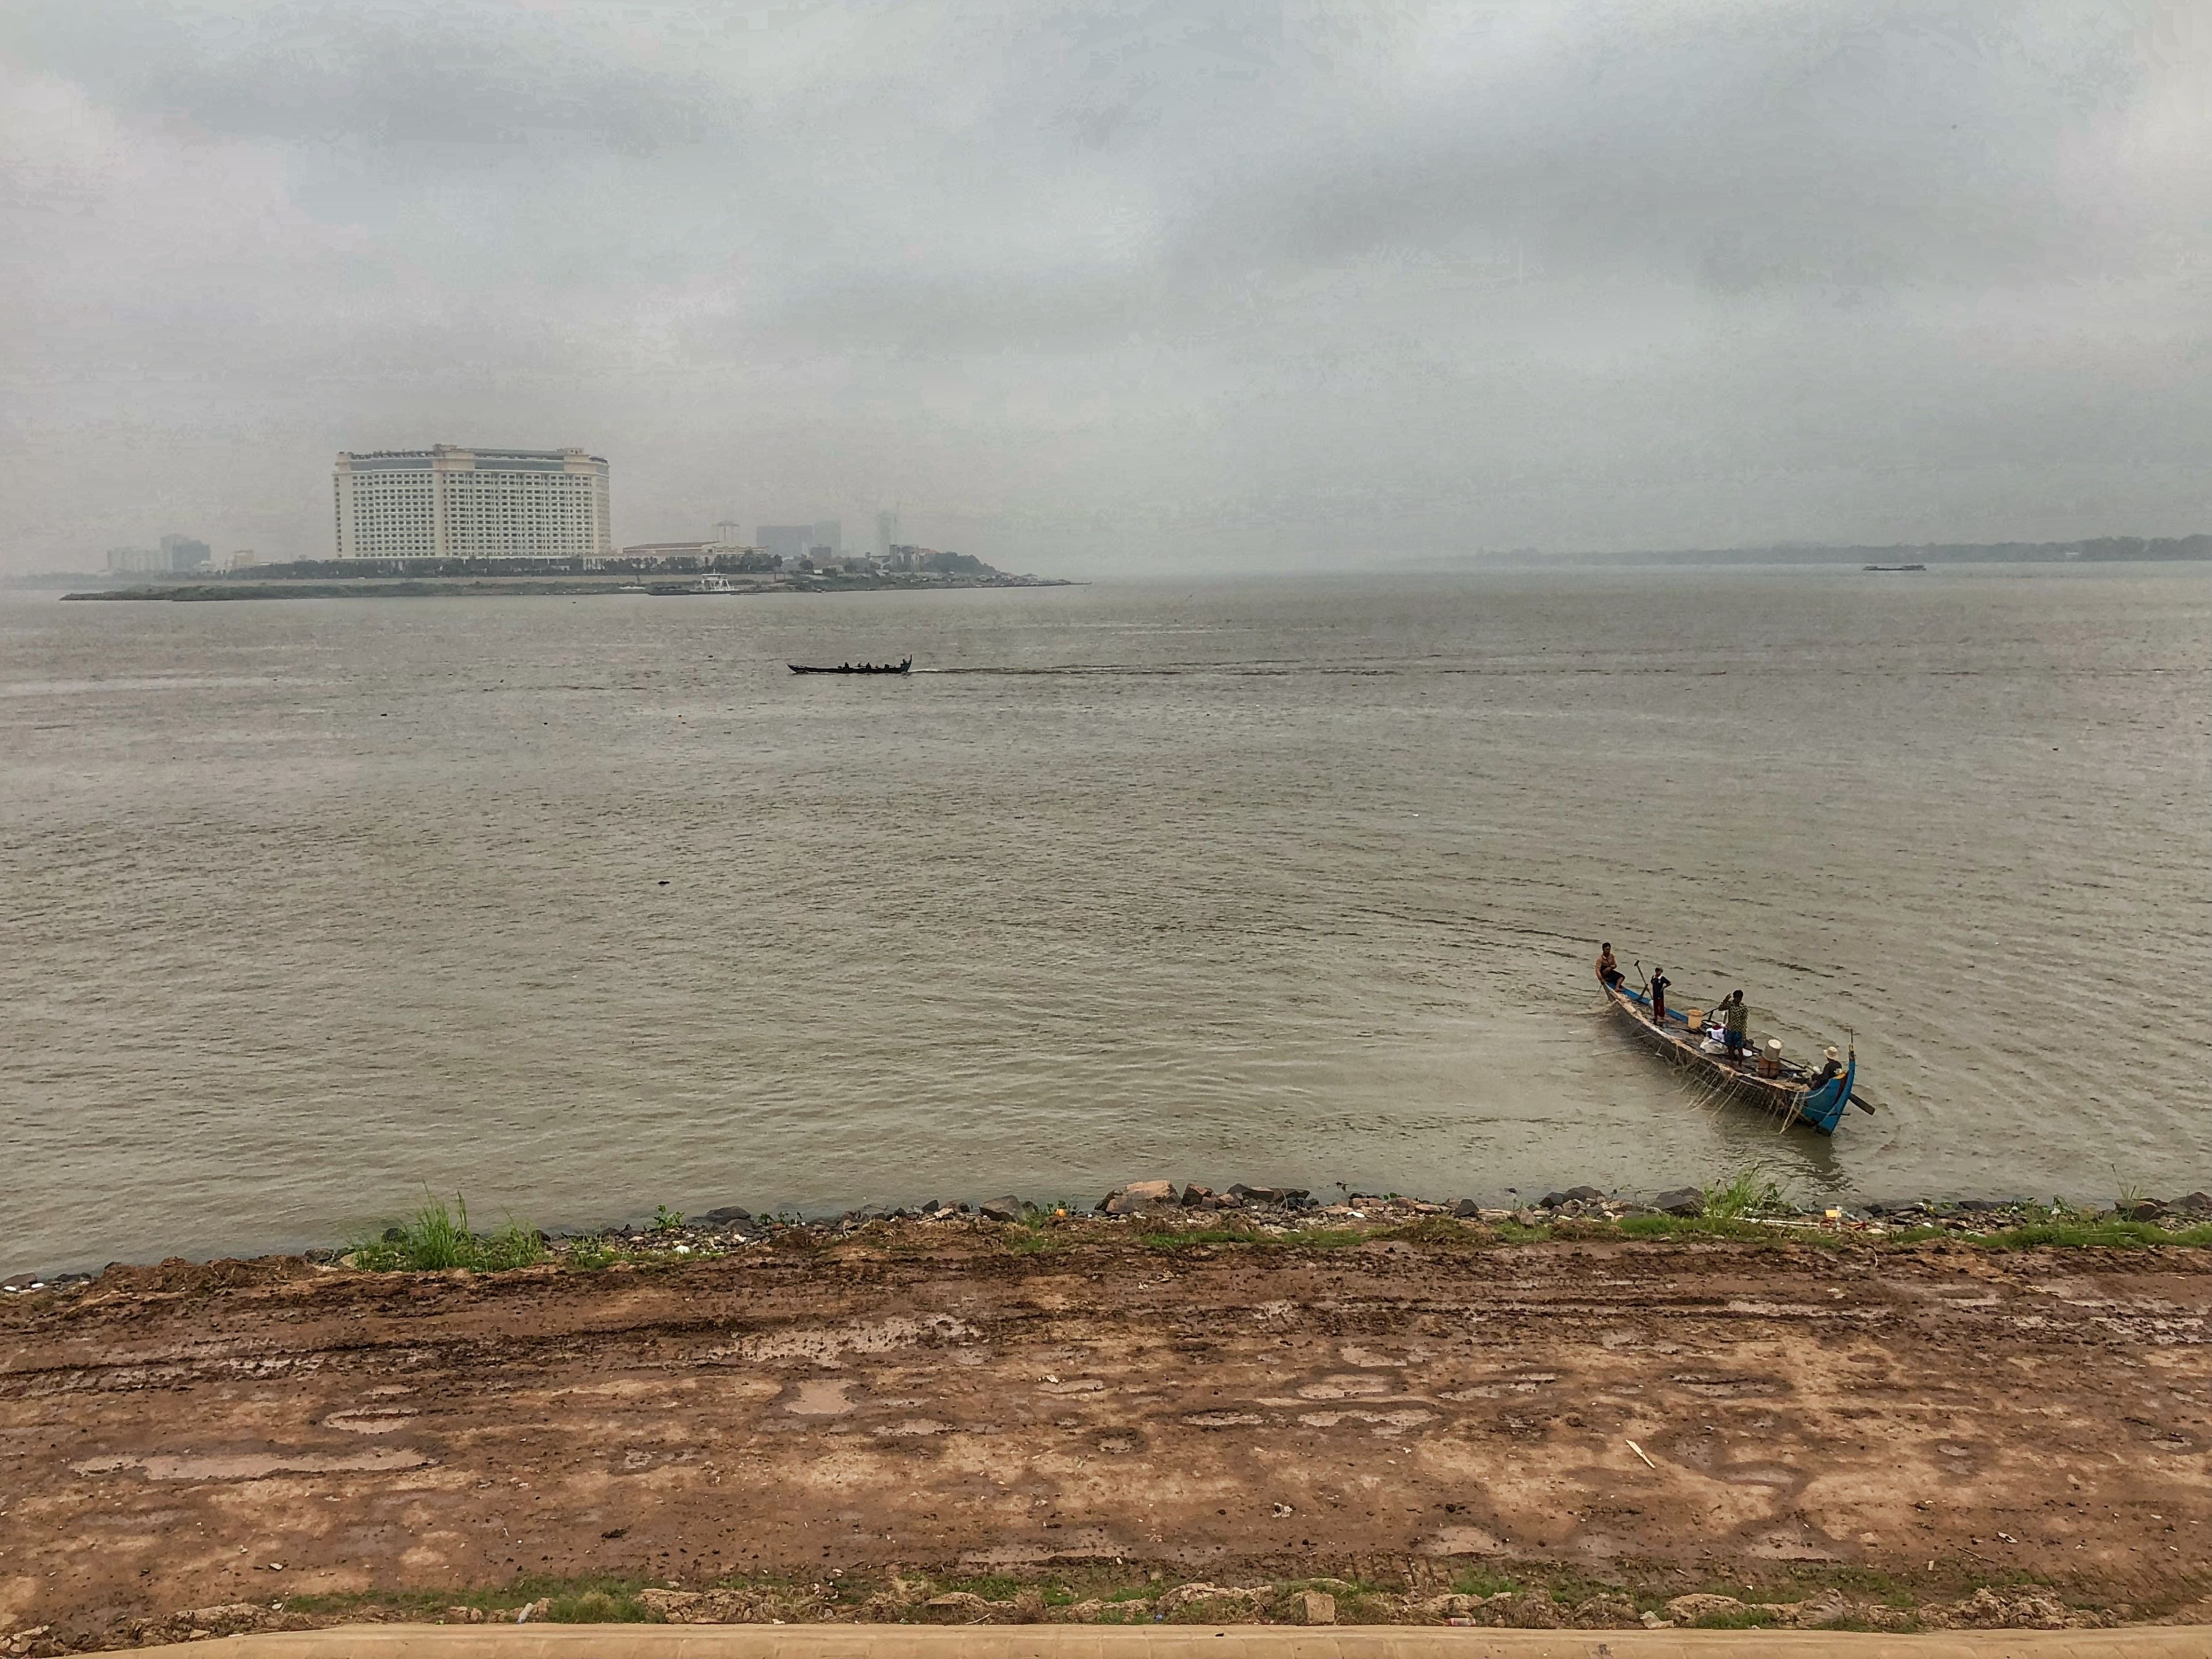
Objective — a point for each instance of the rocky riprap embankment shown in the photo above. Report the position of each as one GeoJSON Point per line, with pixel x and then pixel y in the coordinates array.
{"type": "Point", "coordinates": [1283, 1209]}
{"type": "Point", "coordinates": [1280, 1210]}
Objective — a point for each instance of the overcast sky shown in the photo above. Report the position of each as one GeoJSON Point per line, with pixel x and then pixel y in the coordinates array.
{"type": "Point", "coordinates": [1093, 287]}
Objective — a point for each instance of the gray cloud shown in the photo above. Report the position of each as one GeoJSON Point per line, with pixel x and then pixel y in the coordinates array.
{"type": "Point", "coordinates": [1404, 276]}
{"type": "Point", "coordinates": [1831, 144]}
{"type": "Point", "coordinates": [396, 72]}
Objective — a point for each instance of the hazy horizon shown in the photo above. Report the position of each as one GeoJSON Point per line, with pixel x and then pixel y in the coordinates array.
{"type": "Point", "coordinates": [1096, 289]}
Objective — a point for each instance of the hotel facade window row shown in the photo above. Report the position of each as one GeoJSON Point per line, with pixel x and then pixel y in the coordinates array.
{"type": "Point", "coordinates": [448, 502]}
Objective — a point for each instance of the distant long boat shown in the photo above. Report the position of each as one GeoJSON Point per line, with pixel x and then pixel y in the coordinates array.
{"type": "Point", "coordinates": [1787, 1095]}
{"type": "Point", "coordinates": [902, 667]}
{"type": "Point", "coordinates": [1894, 567]}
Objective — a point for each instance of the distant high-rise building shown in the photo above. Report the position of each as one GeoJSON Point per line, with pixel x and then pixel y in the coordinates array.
{"type": "Point", "coordinates": [175, 553]}
{"type": "Point", "coordinates": [886, 532]}
{"type": "Point", "coordinates": [830, 533]}
{"type": "Point", "coordinates": [448, 502]}
{"type": "Point", "coordinates": [785, 541]}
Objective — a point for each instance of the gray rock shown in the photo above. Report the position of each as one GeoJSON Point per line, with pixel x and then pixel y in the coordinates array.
{"type": "Point", "coordinates": [1287, 1197]}
{"type": "Point", "coordinates": [1194, 1195]}
{"type": "Point", "coordinates": [1551, 1200]}
{"type": "Point", "coordinates": [1680, 1200]}
{"type": "Point", "coordinates": [1586, 1194]}
{"type": "Point", "coordinates": [1140, 1195]}
{"type": "Point", "coordinates": [2194, 1204]}
{"type": "Point", "coordinates": [1000, 1209]}
{"type": "Point", "coordinates": [2143, 1209]}
{"type": "Point", "coordinates": [725, 1216]}
{"type": "Point", "coordinates": [1466, 1209]}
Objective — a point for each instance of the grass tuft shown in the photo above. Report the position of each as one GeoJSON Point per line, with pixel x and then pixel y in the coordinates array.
{"type": "Point", "coordinates": [1039, 1232]}
{"type": "Point", "coordinates": [600, 1605]}
{"type": "Point", "coordinates": [2109, 1232]}
{"type": "Point", "coordinates": [1325, 1238]}
{"type": "Point", "coordinates": [1742, 1197]}
{"type": "Point", "coordinates": [588, 1255]}
{"type": "Point", "coordinates": [586, 1601]}
{"type": "Point", "coordinates": [1184, 1239]}
{"type": "Point", "coordinates": [1735, 1618]}
{"type": "Point", "coordinates": [437, 1239]}
{"type": "Point", "coordinates": [1482, 1581]}
{"type": "Point", "coordinates": [1441, 1229]}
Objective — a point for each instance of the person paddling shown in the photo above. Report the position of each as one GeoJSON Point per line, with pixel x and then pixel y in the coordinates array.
{"type": "Point", "coordinates": [1659, 984]}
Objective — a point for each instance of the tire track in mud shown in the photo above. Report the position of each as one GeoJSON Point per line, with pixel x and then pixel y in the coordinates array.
{"type": "Point", "coordinates": [1395, 1404]}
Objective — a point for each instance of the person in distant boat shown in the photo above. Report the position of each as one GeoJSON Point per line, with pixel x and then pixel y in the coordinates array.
{"type": "Point", "coordinates": [1659, 984]}
{"type": "Point", "coordinates": [1734, 1020]}
{"type": "Point", "coordinates": [1608, 971]}
{"type": "Point", "coordinates": [1828, 1072]}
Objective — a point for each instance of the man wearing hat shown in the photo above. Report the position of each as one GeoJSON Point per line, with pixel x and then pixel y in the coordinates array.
{"type": "Point", "coordinates": [1828, 1073]}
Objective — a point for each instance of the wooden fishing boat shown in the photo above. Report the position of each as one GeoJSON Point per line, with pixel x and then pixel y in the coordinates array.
{"type": "Point", "coordinates": [1786, 1095]}
{"type": "Point", "coordinates": [904, 667]}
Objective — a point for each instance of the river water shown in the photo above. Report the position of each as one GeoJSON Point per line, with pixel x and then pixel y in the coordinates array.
{"type": "Point", "coordinates": [580, 906]}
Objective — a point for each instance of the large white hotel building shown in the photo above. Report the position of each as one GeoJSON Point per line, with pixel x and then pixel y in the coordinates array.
{"type": "Point", "coordinates": [447, 503]}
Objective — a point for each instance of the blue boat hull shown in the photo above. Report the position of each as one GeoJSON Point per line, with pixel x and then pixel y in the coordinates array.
{"type": "Point", "coordinates": [1820, 1108]}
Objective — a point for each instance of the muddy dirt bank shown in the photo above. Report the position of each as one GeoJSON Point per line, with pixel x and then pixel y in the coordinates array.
{"type": "Point", "coordinates": [880, 1424]}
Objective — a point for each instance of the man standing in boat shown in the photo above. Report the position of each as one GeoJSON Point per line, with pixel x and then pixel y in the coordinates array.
{"type": "Point", "coordinates": [1734, 1019]}
{"type": "Point", "coordinates": [1659, 984]}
